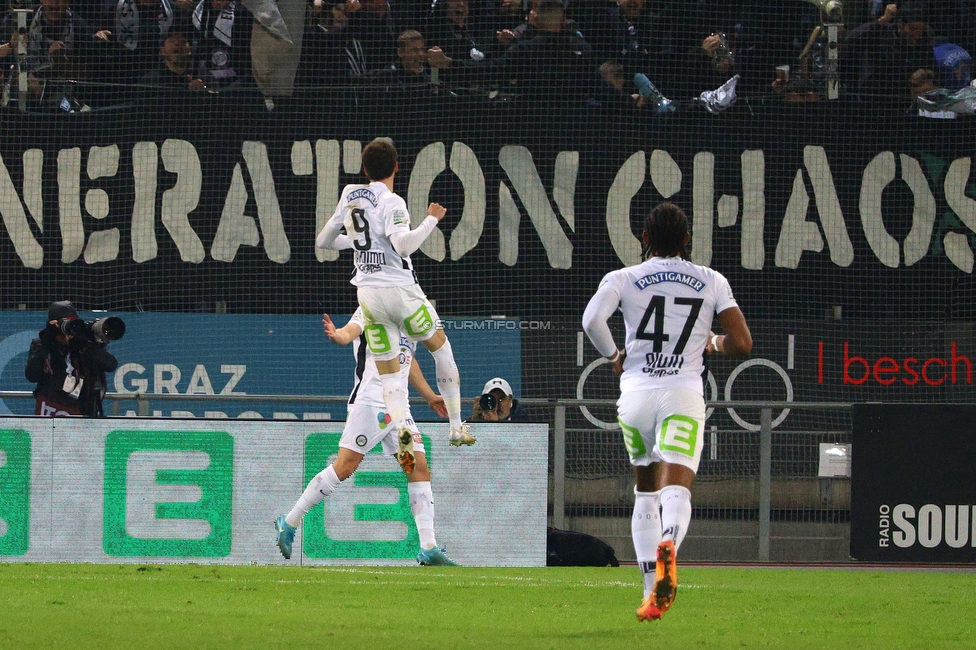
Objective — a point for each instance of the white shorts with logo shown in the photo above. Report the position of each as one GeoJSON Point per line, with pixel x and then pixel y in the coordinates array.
{"type": "Point", "coordinates": [367, 426]}
{"type": "Point", "coordinates": [665, 424]}
{"type": "Point", "coordinates": [391, 310]}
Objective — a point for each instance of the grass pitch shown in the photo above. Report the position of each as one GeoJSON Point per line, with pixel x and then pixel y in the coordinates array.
{"type": "Point", "coordinates": [206, 606]}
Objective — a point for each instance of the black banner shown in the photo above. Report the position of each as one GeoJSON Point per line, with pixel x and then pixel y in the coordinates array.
{"type": "Point", "coordinates": [913, 498]}
{"type": "Point", "coordinates": [176, 205]}
{"type": "Point", "coordinates": [847, 233]}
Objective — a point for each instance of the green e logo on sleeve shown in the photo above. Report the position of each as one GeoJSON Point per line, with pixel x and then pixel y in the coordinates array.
{"type": "Point", "coordinates": [168, 493]}
{"type": "Point", "coordinates": [15, 464]}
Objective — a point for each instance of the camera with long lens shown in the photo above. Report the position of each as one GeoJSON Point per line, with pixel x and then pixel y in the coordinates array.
{"type": "Point", "coordinates": [102, 330]}
{"type": "Point", "coordinates": [488, 402]}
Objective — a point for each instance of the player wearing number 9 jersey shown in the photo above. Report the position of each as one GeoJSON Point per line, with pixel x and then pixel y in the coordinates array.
{"type": "Point", "coordinates": [668, 304]}
{"type": "Point", "coordinates": [378, 231]}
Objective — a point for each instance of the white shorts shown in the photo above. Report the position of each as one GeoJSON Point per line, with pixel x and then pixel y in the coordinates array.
{"type": "Point", "coordinates": [665, 424]}
{"type": "Point", "coordinates": [391, 310]}
{"type": "Point", "coordinates": [367, 426]}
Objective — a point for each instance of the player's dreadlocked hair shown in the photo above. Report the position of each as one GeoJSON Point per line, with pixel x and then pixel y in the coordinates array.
{"type": "Point", "coordinates": [667, 229]}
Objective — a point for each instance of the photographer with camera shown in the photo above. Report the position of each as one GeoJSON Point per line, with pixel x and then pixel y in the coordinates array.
{"type": "Point", "coordinates": [68, 361]}
{"type": "Point", "coordinates": [497, 404]}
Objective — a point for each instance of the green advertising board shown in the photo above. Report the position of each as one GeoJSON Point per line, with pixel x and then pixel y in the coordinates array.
{"type": "Point", "coordinates": [149, 490]}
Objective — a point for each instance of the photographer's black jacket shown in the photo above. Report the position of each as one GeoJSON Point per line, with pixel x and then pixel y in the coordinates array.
{"type": "Point", "coordinates": [48, 364]}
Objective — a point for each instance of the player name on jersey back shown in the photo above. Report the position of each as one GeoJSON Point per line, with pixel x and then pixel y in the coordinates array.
{"type": "Point", "coordinates": [668, 304]}
{"type": "Point", "coordinates": [666, 276]}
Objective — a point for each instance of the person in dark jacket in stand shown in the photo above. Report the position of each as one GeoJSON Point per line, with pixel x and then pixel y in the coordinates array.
{"type": "Point", "coordinates": [553, 67]}
{"type": "Point", "coordinates": [880, 56]}
{"type": "Point", "coordinates": [68, 366]}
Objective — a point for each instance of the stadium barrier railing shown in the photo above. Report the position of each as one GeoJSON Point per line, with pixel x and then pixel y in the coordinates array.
{"type": "Point", "coordinates": [763, 493]}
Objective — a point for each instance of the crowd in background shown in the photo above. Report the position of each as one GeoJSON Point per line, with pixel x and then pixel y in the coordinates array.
{"type": "Point", "coordinates": [654, 54]}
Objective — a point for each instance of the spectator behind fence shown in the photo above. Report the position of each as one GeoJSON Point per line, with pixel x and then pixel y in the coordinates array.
{"type": "Point", "coordinates": [879, 56]}
{"type": "Point", "coordinates": [136, 28]}
{"type": "Point", "coordinates": [629, 31]}
{"type": "Point", "coordinates": [714, 42]}
{"type": "Point", "coordinates": [60, 46]}
{"type": "Point", "coordinates": [456, 33]}
{"type": "Point", "coordinates": [68, 365]}
{"type": "Point", "coordinates": [618, 90]}
{"type": "Point", "coordinates": [174, 67]}
{"type": "Point", "coordinates": [526, 30]}
{"type": "Point", "coordinates": [59, 42]}
{"type": "Point", "coordinates": [411, 69]}
{"type": "Point", "coordinates": [554, 67]}
{"type": "Point", "coordinates": [320, 61]}
{"type": "Point", "coordinates": [510, 22]}
{"type": "Point", "coordinates": [497, 403]}
{"type": "Point", "coordinates": [221, 43]}
{"type": "Point", "coordinates": [366, 43]}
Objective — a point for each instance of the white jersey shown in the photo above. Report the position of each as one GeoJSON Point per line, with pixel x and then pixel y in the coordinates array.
{"type": "Point", "coordinates": [668, 305]}
{"type": "Point", "coordinates": [371, 214]}
{"type": "Point", "coordinates": [368, 389]}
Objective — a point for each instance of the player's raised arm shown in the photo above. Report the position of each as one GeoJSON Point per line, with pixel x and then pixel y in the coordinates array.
{"type": "Point", "coordinates": [406, 242]}
{"type": "Point", "coordinates": [343, 335]}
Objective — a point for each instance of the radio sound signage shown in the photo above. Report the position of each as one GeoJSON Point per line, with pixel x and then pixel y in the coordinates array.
{"type": "Point", "coordinates": [913, 492]}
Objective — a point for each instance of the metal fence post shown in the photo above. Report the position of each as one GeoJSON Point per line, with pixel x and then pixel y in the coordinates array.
{"type": "Point", "coordinates": [765, 480]}
{"type": "Point", "coordinates": [559, 467]}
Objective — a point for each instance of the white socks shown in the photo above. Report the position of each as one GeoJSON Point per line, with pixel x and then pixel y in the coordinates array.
{"type": "Point", "coordinates": [448, 382]}
{"type": "Point", "coordinates": [422, 507]}
{"type": "Point", "coordinates": [645, 528]}
{"type": "Point", "coordinates": [675, 513]}
{"type": "Point", "coordinates": [395, 398]}
{"type": "Point", "coordinates": [324, 484]}
{"type": "Point", "coordinates": [658, 517]}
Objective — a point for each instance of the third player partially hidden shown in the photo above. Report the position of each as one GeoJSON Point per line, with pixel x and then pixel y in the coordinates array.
{"type": "Point", "coordinates": [667, 304]}
{"type": "Point", "coordinates": [378, 230]}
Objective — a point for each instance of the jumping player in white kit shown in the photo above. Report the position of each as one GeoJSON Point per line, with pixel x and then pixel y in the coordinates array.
{"type": "Point", "coordinates": [378, 230]}
{"type": "Point", "coordinates": [367, 425]}
{"type": "Point", "coordinates": [667, 304]}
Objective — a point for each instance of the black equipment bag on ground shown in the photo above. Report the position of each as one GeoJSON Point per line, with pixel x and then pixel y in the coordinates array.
{"type": "Point", "coordinates": [568, 548]}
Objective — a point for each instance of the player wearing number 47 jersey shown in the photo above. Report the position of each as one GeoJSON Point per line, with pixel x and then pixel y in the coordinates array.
{"type": "Point", "coordinates": [667, 304]}
{"type": "Point", "coordinates": [378, 230]}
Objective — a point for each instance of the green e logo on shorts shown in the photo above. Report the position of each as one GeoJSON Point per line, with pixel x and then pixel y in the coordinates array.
{"type": "Point", "coordinates": [419, 322]}
{"type": "Point", "coordinates": [15, 464]}
{"type": "Point", "coordinates": [376, 339]}
{"type": "Point", "coordinates": [679, 433]}
{"type": "Point", "coordinates": [370, 519]}
{"type": "Point", "coordinates": [168, 493]}
{"type": "Point", "coordinates": [632, 439]}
